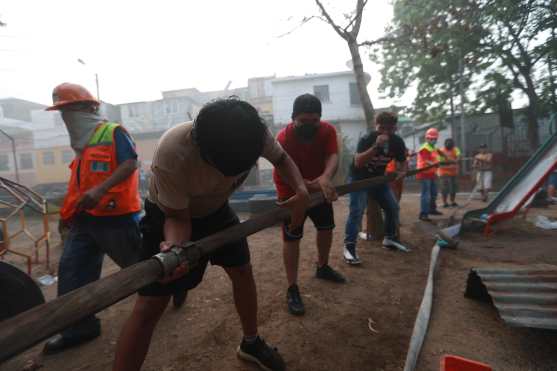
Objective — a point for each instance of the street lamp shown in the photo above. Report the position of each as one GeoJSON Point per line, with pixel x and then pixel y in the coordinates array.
{"type": "Point", "coordinates": [81, 61]}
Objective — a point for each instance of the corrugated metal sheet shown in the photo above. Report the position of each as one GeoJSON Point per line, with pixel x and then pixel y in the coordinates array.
{"type": "Point", "coordinates": [525, 295]}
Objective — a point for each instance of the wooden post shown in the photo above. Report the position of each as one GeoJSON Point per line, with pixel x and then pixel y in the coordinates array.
{"type": "Point", "coordinates": [375, 223]}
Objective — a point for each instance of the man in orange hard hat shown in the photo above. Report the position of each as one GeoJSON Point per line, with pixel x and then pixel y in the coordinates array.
{"type": "Point", "coordinates": [427, 156]}
{"type": "Point", "coordinates": [101, 205]}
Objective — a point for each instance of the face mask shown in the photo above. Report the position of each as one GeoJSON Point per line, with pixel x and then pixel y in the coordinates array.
{"type": "Point", "coordinates": [306, 132]}
{"type": "Point", "coordinates": [81, 126]}
{"type": "Point", "coordinates": [450, 145]}
{"type": "Point", "coordinates": [432, 141]}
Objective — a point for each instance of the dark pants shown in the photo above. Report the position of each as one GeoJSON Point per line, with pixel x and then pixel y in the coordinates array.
{"type": "Point", "coordinates": [383, 195]}
{"type": "Point", "coordinates": [82, 259]}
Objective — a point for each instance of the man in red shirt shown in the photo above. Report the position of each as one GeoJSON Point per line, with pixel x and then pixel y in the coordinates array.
{"type": "Point", "coordinates": [312, 144]}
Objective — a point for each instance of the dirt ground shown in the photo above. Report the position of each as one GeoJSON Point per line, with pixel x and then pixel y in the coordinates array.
{"type": "Point", "coordinates": [334, 333]}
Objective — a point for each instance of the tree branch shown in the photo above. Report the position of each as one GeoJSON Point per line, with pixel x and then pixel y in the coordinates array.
{"type": "Point", "coordinates": [303, 22]}
{"type": "Point", "coordinates": [358, 16]}
{"type": "Point", "coordinates": [343, 34]}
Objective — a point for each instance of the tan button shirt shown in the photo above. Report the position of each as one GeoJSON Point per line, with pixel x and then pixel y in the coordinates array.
{"type": "Point", "coordinates": [183, 180]}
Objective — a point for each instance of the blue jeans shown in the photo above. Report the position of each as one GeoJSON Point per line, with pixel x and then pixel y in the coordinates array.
{"type": "Point", "coordinates": [358, 202]}
{"type": "Point", "coordinates": [428, 198]}
{"type": "Point", "coordinates": [82, 259]}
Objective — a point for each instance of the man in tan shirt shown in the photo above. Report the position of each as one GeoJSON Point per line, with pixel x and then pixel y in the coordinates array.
{"type": "Point", "coordinates": [196, 167]}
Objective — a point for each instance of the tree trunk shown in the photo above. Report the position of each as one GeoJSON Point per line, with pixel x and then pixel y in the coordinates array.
{"type": "Point", "coordinates": [532, 114]}
{"type": "Point", "coordinates": [367, 106]}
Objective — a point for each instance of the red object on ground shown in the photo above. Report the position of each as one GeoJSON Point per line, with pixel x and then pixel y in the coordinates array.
{"type": "Point", "coordinates": [456, 363]}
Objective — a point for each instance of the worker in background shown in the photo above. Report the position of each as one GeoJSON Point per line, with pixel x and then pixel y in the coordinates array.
{"type": "Point", "coordinates": [312, 145]}
{"type": "Point", "coordinates": [428, 156]}
{"type": "Point", "coordinates": [448, 174]}
{"type": "Point", "coordinates": [483, 164]}
{"type": "Point", "coordinates": [101, 206]}
{"type": "Point", "coordinates": [374, 151]}
{"type": "Point", "coordinates": [195, 169]}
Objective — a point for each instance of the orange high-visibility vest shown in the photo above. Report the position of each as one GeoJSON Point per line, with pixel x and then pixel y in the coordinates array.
{"type": "Point", "coordinates": [451, 155]}
{"type": "Point", "coordinates": [96, 163]}
{"type": "Point", "coordinates": [427, 153]}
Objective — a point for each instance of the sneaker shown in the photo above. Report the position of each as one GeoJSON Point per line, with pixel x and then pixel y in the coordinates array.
{"type": "Point", "coordinates": [454, 204]}
{"type": "Point", "coordinates": [435, 212]}
{"type": "Point", "coordinates": [366, 236]}
{"type": "Point", "coordinates": [393, 243]}
{"type": "Point", "coordinates": [294, 301]}
{"type": "Point", "coordinates": [425, 218]}
{"type": "Point", "coordinates": [329, 274]}
{"type": "Point", "coordinates": [266, 357]}
{"type": "Point", "coordinates": [445, 206]}
{"type": "Point", "coordinates": [350, 255]}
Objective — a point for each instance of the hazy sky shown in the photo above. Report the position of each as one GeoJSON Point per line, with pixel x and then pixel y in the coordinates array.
{"type": "Point", "coordinates": [140, 48]}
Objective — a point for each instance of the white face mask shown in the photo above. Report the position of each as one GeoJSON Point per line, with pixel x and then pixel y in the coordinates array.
{"type": "Point", "coordinates": [81, 126]}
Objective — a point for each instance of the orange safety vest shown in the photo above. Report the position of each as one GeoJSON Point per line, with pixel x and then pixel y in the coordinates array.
{"type": "Point", "coordinates": [427, 153]}
{"type": "Point", "coordinates": [96, 164]}
{"type": "Point", "coordinates": [451, 155]}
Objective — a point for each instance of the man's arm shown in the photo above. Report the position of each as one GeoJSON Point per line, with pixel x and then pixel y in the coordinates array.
{"type": "Point", "coordinates": [92, 197]}
{"type": "Point", "coordinates": [324, 182]}
{"type": "Point", "coordinates": [298, 203]}
{"type": "Point", "coordinates": [177, 231]}
{"type": "Point", "coordinates": [364, 157]}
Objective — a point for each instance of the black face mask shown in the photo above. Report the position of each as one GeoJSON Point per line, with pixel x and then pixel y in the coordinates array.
{"type": "Point", "coordinates": [306, 132]}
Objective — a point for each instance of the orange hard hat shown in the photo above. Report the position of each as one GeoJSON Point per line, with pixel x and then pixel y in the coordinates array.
{"type": "Point", "coordinates": [68, 93]}
{"type": "Point", "coordinates": [432, 133]}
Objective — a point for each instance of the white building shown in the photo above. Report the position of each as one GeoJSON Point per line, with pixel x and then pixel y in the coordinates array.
{"type": "Point", "coordinates": [338, 93]}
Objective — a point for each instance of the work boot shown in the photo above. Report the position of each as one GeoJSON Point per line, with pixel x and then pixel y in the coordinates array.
{"type": "Point", "coordinates": [329, 274]}
{"type": "Point", "coordinates": [266, 357]}
{"type": "Point", "coordinates": [294, 301]}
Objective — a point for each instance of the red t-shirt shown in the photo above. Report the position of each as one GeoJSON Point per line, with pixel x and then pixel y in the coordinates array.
{"type": "Point", "coordinates": [310, 157]}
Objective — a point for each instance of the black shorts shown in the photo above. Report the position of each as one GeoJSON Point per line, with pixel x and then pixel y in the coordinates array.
{"type": "Point", "coordinates": [323, 219]}
{"type": "Point", "coordinates": [233, 254]}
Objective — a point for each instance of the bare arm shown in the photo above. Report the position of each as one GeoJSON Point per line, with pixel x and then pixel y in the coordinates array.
{"type": "Point", "coordinates": [177, 231]}
{"type": "Point", "coordinates": [324, 181]}
{"type": "Point", "coordinates": [298, 203]}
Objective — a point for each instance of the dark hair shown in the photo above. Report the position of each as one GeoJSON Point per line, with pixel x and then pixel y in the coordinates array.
{"type": "Point", "coordinates": [483, 145]}
{"type": "Point", "coordinates": [449, 142]}
{"type": "Point", "coordinates": [388, 118]}
{"type": "Point", "coordinates": [306, 103]}
{"type": "Point", "coordinates": [230, 135]}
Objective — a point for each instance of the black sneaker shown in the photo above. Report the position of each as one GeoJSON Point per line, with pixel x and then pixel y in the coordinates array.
{"type": "Point", "coordinates": [327, 273]}
{"type": "Point", "coordinates": [259, 352]}
{"type": "Point", "coordinates": [435, 212]}
{"type": "Point", "coordinates": [445, 206]}
{"type": "Point", "coordinates": [425, 218]}
{"type": "Point", "coordinates": [454, 204]}
{"type": "Point", "coordinates": [294, 301]}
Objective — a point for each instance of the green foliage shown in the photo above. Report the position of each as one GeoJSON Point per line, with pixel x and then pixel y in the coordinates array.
{"type": "Point", "coordinates": [491, 47]}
